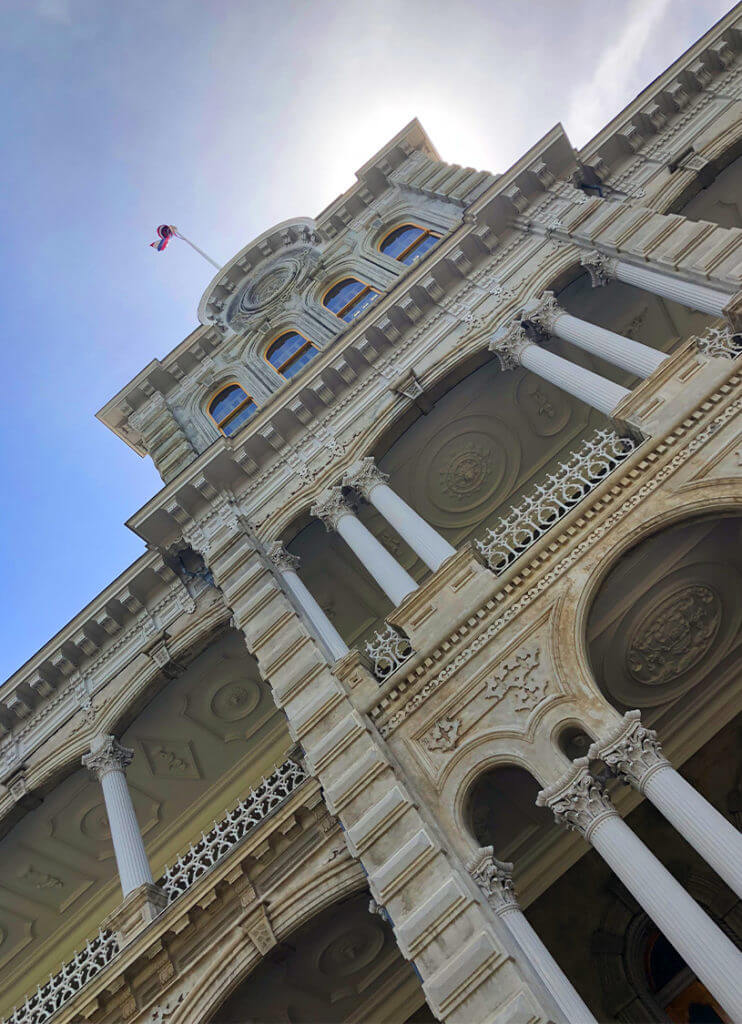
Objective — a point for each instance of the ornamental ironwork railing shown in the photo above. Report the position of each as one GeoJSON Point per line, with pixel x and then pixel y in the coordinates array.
{"type": "Point", "coordinates": [573, 480]}
{"type": "Point", "coordinates": [388, 651]}
{"type": "Point", "coordinates": [215, 844]}
{"type": "Point", "coordinates": [720, 342]}
{"type": "Point", "coordinates": [68, 981]}
{"type": "Point", "coordinates": [176, 880]}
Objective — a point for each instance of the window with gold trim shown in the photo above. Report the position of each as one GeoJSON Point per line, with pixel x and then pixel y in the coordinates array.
{"type": "Point", "coordinates": [349, 297]}
{"type": "Point", "coordinates": [230, 408]}
{"type": "Point", "coordinates": [289, 353]}
{"type": "Point", "coordinates": [408, 243]}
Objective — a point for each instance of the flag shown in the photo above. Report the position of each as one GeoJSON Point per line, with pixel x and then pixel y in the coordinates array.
{"type": "Point", "coordinates": [166, 233]}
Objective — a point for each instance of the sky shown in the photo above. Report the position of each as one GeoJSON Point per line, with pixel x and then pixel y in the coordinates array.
{"type": "Point", "coordinates": [224, 117]}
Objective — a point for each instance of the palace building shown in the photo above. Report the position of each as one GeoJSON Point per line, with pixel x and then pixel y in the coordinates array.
{"type": "Point", "coordinates": [424, 701]}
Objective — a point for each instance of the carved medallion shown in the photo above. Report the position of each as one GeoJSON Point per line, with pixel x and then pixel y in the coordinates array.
{"type": "Point", "coordinates": [467, 469]}
{"type": "Point", "coordinates": [270, 288]}
{"type": "Point", "coordinates": [235, 700]}
{"type": "Point", "coordinates": [351, 950]}
{"type": "Point", "coordinates": [675, 636]}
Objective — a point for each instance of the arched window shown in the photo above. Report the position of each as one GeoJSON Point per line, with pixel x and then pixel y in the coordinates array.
{"type": "Point", "coordinates": [408, 243]}
{"type": "Point", "coordinates": [349, 297]}
{"type": "Point", "coordinates": [680, 994]}
{"type": "Point", "coordinates": [289, 353]}
{"type": "Point", "coordinates": [230, 408]}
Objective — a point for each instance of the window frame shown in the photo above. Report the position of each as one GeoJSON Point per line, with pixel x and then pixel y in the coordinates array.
{"type": "Point", "coordinates": [294, 355]}
{"type": "Point", "coordinates": [348, 305]}
{"type": "Point", "coordinates": [426, 232]}
{"type": "Point", "coordinates": [233, 412]}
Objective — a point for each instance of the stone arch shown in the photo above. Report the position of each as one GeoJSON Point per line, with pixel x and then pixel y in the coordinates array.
{"type": "Point", "coordinates": [328, 907]}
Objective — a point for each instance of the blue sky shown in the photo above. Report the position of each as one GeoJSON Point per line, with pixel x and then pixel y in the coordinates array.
{"type": "Point", "coordinates": [224, 117]}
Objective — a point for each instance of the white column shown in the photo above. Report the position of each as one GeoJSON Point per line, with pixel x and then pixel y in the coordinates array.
{"type": "Point", "coordinates": [635, 754]}
{"type": "Point", "coordinates": [514, 348]}
{"type": "Point", "coordinates": [288, 564]}
{"type": "Point", "coordinates": [495, 879]}
{"type": "Point", "coordinates": [334, 511]}
{"type": "Point", "coordinates": [107, 761]}
{"type": "Point", "coordinates": [579, 802]}
{"type": "Point", "coordinates": [603, 268]}
{"type": "Point", "coordinates": [630, 355]}
{"type": "Point", "coordinates": [368, 480]}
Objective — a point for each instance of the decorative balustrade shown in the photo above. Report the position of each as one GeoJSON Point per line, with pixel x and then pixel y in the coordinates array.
{"type": "Point", "coordinates": [216, 843]}
{"type": "Point", "coordinates": [719, 342]}
{"type": "Point", "coordinates": [67, 982]}
{"type": "Point", "coordinates": [515, 532]}
{"type": "Point", "coordinates": [388, 651]}
{"type": "Point", "coordinates": [195, 862]}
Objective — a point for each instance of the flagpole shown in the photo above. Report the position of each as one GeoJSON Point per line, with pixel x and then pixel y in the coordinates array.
{"type": "Point", "coordinates": [199, 251]}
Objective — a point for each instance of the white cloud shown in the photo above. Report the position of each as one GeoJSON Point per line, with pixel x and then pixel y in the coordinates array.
{"type": "Point", "coordinates": [614, 81]}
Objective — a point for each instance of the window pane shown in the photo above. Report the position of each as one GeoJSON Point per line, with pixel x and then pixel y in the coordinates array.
{"type": "Point", "coordinates": [359, 306]}
{"type": "Point", "coordinates": [226, 401]}
{"type": "Point", "coordinates": [283, 347]}
{"type": "Point", "coordinates": [417, 251]}
{"type": "Point", "coordinates": [341, 294]}
{"type": "Point", "coordinates": [400, 239]}
{"type": "Point", "coordinates": [239, 419]}
{"type": "Point", "coordinates": [296, 364]}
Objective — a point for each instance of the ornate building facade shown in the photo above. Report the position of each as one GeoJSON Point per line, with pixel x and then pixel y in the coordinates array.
{"type": "Point", "coordinates": [424, 701]}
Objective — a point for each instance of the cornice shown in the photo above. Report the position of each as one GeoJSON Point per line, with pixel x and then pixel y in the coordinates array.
{"type": "Point", "coordinates": [648, 113]}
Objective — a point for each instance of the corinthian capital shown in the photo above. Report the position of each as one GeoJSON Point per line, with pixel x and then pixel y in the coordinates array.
{"type": "Point", "coordinates": [283, 560]}
{"type": "Point", "coordinates": [600, 267]}
{"type": "Point", "coordinates": [331, 506]}
{"type": "Point", "coordinates": [578, 801]}
{"type": "Point", "coordinates": [107, 755]}
{"type": "Point", "coordinates": [495, 878]}
{"type": "Point", "coordinates": [363, 476]}
{"type": "Point", "coordinates": [633, 752]}
{"type": "Point", "coordinates": [508, 343]}
{"type": "Point", "coordinates": [543, 313]}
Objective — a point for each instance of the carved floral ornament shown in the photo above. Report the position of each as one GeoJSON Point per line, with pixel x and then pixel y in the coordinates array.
{"type": "Point", "coordinates": [517, 674]}
{"type": "Point", "coordinates": [443, 735]}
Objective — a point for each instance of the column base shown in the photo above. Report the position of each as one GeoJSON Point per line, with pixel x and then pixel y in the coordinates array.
{"type": "Point", "coordinates": [139, 909]}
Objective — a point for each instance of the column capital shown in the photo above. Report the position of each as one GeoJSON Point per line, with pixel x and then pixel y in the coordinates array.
{"type": "Point", "coordinates": [107, 755]}
{"type": "Point", "coordinates": [364, 475]}
{"type": "Point", "coordinates": [632, 751]}
{"type": "Point", "coordinates": [543, 313]}
{"type": "Point", "coordinates": [495, 878]}
{"type": "Point", "coordinates": [508, 343]}
{"type": "Point", "coordinates": [331, 506]}
{"type": "Point", "coordinates": [600, 267]}
{"type": "Point", "coordinates": [578, 801]}
{"type": "Point", "coordinates": [282, 559]}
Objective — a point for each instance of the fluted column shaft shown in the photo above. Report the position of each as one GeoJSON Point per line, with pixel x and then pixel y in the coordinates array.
{"type": "Point", "coordinates": [395, 581]}
{"type": "Point", "coordinates": [288, 564]}
{"type": "Point", "coordinates": [589, 387]}
{"type": "Point", "coordinates": [635, 754]}
{"type": "Point", "coordinates": [426, 542]}
{"type": "Point", "coordinates": [630, 355]}
{"type": "Point", "coordinates": [513, 347]}
{"type": "Point", "coordinates": [704, 298]}
{"type": "Point", "coordinates": [495, 879]}
{"type": "Point", "coordinates": [580, 803]}
{"type": "Point", "coordinates": [107, 760]}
